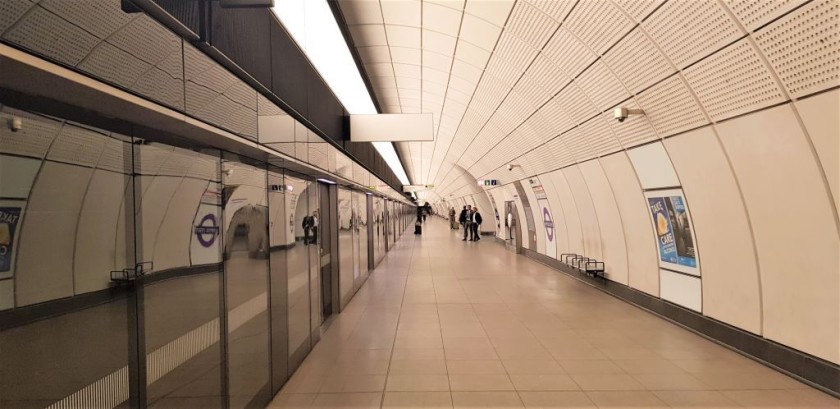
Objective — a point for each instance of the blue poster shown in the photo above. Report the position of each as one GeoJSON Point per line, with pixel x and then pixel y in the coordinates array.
{"type": "Point", "coordinates": [9, 219]}
{"type": "Point", "coordinates": [673, 230]}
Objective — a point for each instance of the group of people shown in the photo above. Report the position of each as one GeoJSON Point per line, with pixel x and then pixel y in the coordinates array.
{"type": "Point", "coordinates": [470, 220]}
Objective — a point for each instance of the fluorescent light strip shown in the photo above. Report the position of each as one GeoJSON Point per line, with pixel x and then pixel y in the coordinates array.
{"type": "Point", "coordinates": [313, 26]}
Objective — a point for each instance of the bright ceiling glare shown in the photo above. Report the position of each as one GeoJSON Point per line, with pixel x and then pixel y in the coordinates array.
{"type": "Point", "coordinates": [386, 149]}
{"type": "Point", "coordinates": [312, 24]}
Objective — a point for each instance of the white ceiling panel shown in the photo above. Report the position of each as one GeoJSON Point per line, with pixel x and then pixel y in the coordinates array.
{"type": "Point", "coordinates": [368, 35]}
{"type": "Point", "coordinates": [479, 32]}
{"type": "Point", "coordinates": [494, 11]}
{"type": "Point", "coordinates": [440, 62]}
{"type": "Point", "coordinates": [405, 55]}
{"type": "Point", "coordinates": [401, 36]}
{"type": "Point", "coordinates": [472, 54]}
{"type": "Point", "coordinates": [439, 43]}
{"type": "Point", "coordinates": [375, 54]}
{"type": "Point", "coordinates": [598, 24]}
{"type": "Point", "coordinates": [535, 80]}
{"type": "Point", "coordinates": [403, 12]}
{"type": "Point", "coordinates": [361, 12]}
{"type": "Point", "coordinates": [441, 19]}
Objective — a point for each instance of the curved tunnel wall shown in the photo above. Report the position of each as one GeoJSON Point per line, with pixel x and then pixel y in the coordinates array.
{"type": "Point", "coordinates": [740, 122]}
{"type": "Point", "coordinates": [762, 214]}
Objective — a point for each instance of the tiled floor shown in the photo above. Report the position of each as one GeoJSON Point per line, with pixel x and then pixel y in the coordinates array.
{"type": "Point", "coordinates": [443, 323]}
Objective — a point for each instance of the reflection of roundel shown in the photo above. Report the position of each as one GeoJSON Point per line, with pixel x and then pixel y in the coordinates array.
{"type": "Point", "coordinates": [549, 224]}
{"type": "Point", "coordinates": [207, 230]}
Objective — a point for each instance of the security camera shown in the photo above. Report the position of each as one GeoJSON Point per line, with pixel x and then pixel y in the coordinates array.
{"type": "Point", "coordinates": [510, 167]}
{"type": "Point", "coordinates": [15, 124]}
{"type": "Point", "coordinates": [622, 113]}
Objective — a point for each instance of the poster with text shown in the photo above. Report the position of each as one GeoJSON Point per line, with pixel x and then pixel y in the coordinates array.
{"type": "Point", "coordinates": [10, 215]}
{"type": "Point", "coordinates": [674, 233]}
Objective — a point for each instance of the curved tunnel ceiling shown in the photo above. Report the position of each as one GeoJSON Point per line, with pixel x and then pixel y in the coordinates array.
{"type": "Point", "coordinates": [534, 82]}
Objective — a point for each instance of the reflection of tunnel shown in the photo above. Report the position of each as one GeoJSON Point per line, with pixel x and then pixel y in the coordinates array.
{"type": "Point", "coordinates": [247, 226]}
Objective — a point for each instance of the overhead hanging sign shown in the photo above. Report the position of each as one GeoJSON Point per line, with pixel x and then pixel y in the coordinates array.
{"type": "Point", "coordinates": [488, 182]}
{"type": "Point", "coordinates": [392, 128]}
{"type": "Point", "coordinates": [416, 188]}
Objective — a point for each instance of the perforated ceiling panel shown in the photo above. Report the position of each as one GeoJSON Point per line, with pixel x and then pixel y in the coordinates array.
{"type": "Point", "coordinates": [733, 81]}
{"type": "Point", "coordinates": [78, 146]}
{"type": "Point", "coordinates": [804, 47]}
{"type": "Point", "coordinates": [535, 80]}
{"type": "Point", "coordinates": [11, 11]}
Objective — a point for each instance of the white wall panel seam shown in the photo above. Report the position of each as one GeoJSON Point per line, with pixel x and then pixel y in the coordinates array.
{"type": "Point", "coordinates": [507, 20]}
{"type": "Point", "coordinates": [16, 257]}
{"type": "Point", "coordinates": [750, 37]}
{"type": "Point", "coordinates": [79, 217]}
{"type": "Point", "coordinates": [391, 57]}
{"type": "Point", "coordinates": [620, 218]}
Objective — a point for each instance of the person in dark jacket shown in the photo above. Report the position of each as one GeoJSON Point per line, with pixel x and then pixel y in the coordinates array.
{"type": "Point", "coordinates": [466, 223]}
{"type": "Point", "coordinates": [462, 218]}
{"type": "Point", "coordinates": [475, 223]}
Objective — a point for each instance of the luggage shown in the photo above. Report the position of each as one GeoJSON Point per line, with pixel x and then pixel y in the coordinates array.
{"type": "Point", "coordinates": [418, 228]}
{"type": "Point", "coordinates": [454, 225]}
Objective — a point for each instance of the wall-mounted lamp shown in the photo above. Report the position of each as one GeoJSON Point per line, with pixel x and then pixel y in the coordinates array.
{"type": "Point", "coordinates": [622, 113]}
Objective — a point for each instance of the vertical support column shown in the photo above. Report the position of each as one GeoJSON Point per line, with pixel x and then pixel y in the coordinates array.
{"type": "Point", "coordinates": [134, 254]}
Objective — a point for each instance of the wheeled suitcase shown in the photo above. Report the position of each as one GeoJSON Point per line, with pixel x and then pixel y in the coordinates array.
{"type": "Point", "coordinates": [418, 228]}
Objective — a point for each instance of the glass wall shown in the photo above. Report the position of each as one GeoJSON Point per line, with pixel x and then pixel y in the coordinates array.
{"type": "Point", "coordinates": [176, 276]}
{"type": "Point", "coordinates": [346, 276]}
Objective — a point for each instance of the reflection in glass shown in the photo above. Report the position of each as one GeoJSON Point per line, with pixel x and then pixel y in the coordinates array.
{"type": "Point", "coordinates": [302, 234]}
{"type": "Point", "coordinates": [246, 279]}
{"type": "Point", "coordinates": [181, 318]}
{"type": "Point", "coordinates": [345, 246]}
{"type": "Point", "coordinates": [279, 240]}
{"type": "Point", "coordinates": [361, 235]}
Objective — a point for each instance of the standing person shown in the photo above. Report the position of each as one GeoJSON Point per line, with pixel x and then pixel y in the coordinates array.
{"type": "Point", "coordinates": [467, 224]}
{"type": "Point", "coordinates": [476, 223]}
{"type": "Point", "coordinates": [314, 225]}
{"type": "Point", "coordinates": [307, 227]}
{"type": "Point", "coordinates": [452, 224]}
{"type": "Point", "coordinates": [462, 218]}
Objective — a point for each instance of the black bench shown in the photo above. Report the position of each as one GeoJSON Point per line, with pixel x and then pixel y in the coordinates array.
{"type": "Point", "coordinates": [583, 264]}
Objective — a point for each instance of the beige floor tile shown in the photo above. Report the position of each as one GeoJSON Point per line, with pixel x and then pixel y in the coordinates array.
{"type": "Point", "coordinates": [464, 342]}
{"type": "Point", "coordinates": [411, 383]}
{"type": "Point", "coordinates": [477, 382]}
{"type": "Point", "coordinates": [486, 400]}
{"type": "Point", "coordinates": [532, 366]}
{"type": "Point", "coordinates": [419, 400]}
{"type": "Point", "coordinates": [648, 366]}
{"type": "Point", "coordinates": [607, 382]}
{"type": "Point", "coordinates": [626, 399]}
{"type": "Point", "coordinates": [551, 400]}
{"type": "Point", "coordinates": [671, 382]}
{"type": "Point", "coordinates": [292, 401]}
{"type": "Point", "coordinates": [418, 353]}
{"type": "Point", "coordinates": [353, 383]}
{"type": "Point", "coordinates": [562, 382]}
{"type": "Point", "coordinates": [412, 330]}
{"type": "Point", "coordinates": [696, 399]}
{"type": "Point", "coordinates": [471, 353]}
{"type": "Point", "coordinates": [348, 400]}
{"type": "Point", "coordinates": [469, 330]}
{"type": "Point", "coordinates": [590, 366]}
{"type": "Point", "coordinates": [475, 367]}
{"type": "Point", "coordinates": [418, 367]}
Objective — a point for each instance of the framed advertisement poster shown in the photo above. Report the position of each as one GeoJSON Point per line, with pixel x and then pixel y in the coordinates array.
{"type": "Point", "coordinates": [676, 242]}
{"type": "Point", "coordinates": [11, 212]}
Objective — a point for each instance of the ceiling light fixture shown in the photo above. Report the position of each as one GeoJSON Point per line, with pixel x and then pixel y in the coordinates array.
{"type": "Point", "coordinates": [312, 24]}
